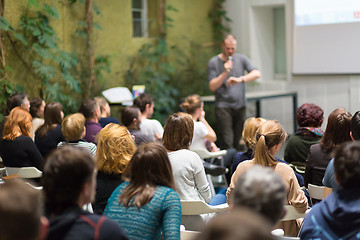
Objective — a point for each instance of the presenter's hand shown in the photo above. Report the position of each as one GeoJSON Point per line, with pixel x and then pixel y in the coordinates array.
{"type": "Point", "coordinates": [228, 65]}
{"type": "Point", "coordinates": [232, 81]}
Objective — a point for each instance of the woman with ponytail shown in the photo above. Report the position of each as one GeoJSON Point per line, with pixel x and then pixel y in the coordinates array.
{"type": "Point", "coordinates": [270, 136]}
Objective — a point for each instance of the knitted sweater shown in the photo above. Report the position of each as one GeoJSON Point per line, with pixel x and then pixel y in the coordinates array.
{"type": "Point", "coordinates": [161, 215]}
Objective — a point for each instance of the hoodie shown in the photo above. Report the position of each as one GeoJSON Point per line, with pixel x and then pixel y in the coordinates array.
{"type": "Point", "coordinates": [336, 217]}
{"type": "Point", "coordinates": [75, 223]}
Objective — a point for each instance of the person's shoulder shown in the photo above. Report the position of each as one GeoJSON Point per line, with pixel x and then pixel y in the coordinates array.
{"type": "Point", "coordinates": [214, 59]}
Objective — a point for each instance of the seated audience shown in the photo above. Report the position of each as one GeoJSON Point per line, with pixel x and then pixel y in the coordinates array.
{"type": "Point", "coordinates": [73, 129]}
{"type": "Point", "coordinates": [17, 149]}
{"type": "Point", "coordinates": [37, 106]}
{"type": "Point", "coordinates": [69, 183]}
{"type": "Point", "coordinates": [337, 131]}
{"type": "Point", "coordinates": [270, 137]}
{"type": "Point", "coordinates": [115, 149]}
{"type": "Point", "coordinates": [262, 190]}
{"type": "Point", "coordinates": [149, 127]}
{"type": "Point", "coordinates": [240, 224]}
{"type": "Point", "coordinates": [338, 215]}
{"type": "Point", "coordinates": [21, 212]}
{"type": "Point", "coordinates": [251, 125]}
{"type": "Point", "coordinates": [147, 206]}
{"type": "Point", "coordinates": [105, 110]}
{"type": "Point", "coordinates": [91, 111]}
{"type": "Point", "coordinates": [49, 135]}
{"type": "Point", "coordinates": [329, 177]}
{"type": "Point", "coordinates": [130, 118]}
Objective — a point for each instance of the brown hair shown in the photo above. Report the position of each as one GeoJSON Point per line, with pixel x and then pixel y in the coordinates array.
{"type": "Point", "coordinates": [17, 123]}
{"type": "Point", "coordinates": [128, 114]}
{"type": "Point", "coordinates": [142, 100]}
{"type": "Point", "coordinates": [269, 134]}
{"type": "Point", "coordinates": [191, 103]}
{"type": "Point", "coordinates": [73, 126]}
{"type": "Point", "coordinates": [251, 125]}
{"type": "Point", "coordinates": [148, 168]}
{"type": "Point", "coordinates": [178, 131]}
{"type": "Point", "coordinates": [114, 149]}
{"type": "Point", "coordinates": [88, 108]}
{"type": "Point", "coordinates": [52, 117]}
{"type": "Point", "coordinates": [35, 104]}
{"type": "Point", "coordinates": [337, 129]}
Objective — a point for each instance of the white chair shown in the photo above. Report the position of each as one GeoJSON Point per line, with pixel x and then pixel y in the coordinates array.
{"type": "Point", "coordinates": [292, 213]}
{"type": "Point", "coordinates": [315, 192]}
{"type": "Point", "coordinates": [188, 235]}
{"type": "Point", "coordinates": [24, 172]}
{"type": "Point", "coordinates": [197, 207]}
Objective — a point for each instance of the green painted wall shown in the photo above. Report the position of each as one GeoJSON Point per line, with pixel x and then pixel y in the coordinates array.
{"type": "Point", "coordinates": [191, 24]}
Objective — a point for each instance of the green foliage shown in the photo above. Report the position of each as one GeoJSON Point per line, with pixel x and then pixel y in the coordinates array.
{"type": "Point", "coordinates": [6, 89]}
{"type": "Point", "coordinates": [218, 17]}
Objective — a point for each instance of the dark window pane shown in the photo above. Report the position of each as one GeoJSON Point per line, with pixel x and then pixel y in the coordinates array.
{"type": "Point", "coordinates": [136, 15]}
{"type": "Point", "coordinates": [137, 28]}
{"type": "Point", "coordinates": [137, 4]}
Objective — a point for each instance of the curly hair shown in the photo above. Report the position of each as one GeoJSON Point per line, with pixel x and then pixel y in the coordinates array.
{"type": "Point", "coordinates": [17, 123]}
{"type": "Point", "coordinates": [309, 115]}
{"type": "Point", "coordinates": [115, 148]}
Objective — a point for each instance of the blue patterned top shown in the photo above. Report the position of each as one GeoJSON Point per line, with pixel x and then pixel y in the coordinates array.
{"type": "Point", "coordinates": [161, 215]}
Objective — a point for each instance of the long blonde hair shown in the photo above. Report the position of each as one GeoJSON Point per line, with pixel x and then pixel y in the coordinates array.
{"type": "Point", "coordinates": [251, 125]}
{"type": "Point", "coordinates": [115, 149]}
{"type": "Point", "coordinates": [269, 134]}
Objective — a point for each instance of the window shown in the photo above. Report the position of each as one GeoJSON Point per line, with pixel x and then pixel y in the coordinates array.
{"type": "Point", "coordinates": [140, 18]}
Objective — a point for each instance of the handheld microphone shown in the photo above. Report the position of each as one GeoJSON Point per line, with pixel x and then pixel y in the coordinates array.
{"type": "Point", "coordinates": [230, 59]}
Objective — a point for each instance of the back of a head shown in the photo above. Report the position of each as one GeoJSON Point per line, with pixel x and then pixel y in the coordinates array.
{"type": "Point", "coordinates": [73, 126]}
{"type": "Point", "coordinates": [309, 115]}
{"type": "Point", "coordinates": [15, 100]}
{"type": "Point", "coordinates": [128, 114]}
{"type": "Point", "coordinates": [355, 126]}
{"type": "Point", "coordinates": [115, 148]}
{"type": "Point", "coordinates": [35, 105]}
{"type": "Point", "coordinates": [142, 100]}
{"type": "Point", "coordinates": [347, 165]}
{"type": "Point", "coordinates": [251, 125]}
{"type": "Point", "coordinates": [88, 108]}
{"type": "Point", "coordinates": [148, 168]}
{"type": "Point", "coordinates": [261, 190]}
{"type": "Point", "coordinates": [191, 103]}
{"type": "Point", "coordinates": [240, 224]}
{"type": "Point", "coordinates": [101, 101]}
{"type": "Point", "coordinates": [178, 131]}
{"type": "Point", "coordinates": [269, 134]}
{"type": "Point", "coordinates": [66, 171]}
{"type": "Point", "coordinates": [337, 129]}
{"type": "Point", "coordinates": [20, 211]}
{"type": "Point", "coordinates": [18, 122]}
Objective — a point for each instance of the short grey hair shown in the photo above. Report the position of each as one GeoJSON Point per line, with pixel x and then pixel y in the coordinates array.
{"type": "Point", "coordinates": [262, 190]}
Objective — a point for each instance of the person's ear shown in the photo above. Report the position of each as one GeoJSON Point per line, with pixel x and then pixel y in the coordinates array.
{"type": "Point", "coordinates": [147, 107]}
{"type": "Point", "coordinates": [44, 228]}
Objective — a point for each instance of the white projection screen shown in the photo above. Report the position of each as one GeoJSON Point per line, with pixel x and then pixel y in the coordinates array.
{"type": "Point", "coordinates": [326, 37]}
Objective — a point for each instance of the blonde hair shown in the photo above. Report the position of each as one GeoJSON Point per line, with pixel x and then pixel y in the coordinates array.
{"type": "Point", "coordinates": [115, 148]}
{"type": "Point", "coordinates": [269, 134]}
{"type": "Point", "coordinates": [251, 125]}
{"type": "Point", "coordinates": [73, 126]}
{"type": "Point", "coordinates": [191, 103]}
{"type": "Point", "coordinates": [101, 102]}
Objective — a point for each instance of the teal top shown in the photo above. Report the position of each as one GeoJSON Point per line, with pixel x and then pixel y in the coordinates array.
{"type": "Point", "coordinates": [161, 215]}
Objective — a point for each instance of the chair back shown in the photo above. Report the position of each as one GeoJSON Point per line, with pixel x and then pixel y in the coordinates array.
{"type": "Point", "coordinates": [292, 214]}
{"type": "Point", "coordinates": [197, 207]}
{"type": "Point", "coordinates": [316, 192]}
{"type": "Point", "coordinates": [24, 172]}
{"type": "Point", "coordinates": [188, 235]}
{"type": "Point", "coordinates": [203, 153]}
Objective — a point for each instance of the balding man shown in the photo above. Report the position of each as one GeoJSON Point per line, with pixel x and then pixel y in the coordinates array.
{"type": "Point", "coordinates": [227, 78]}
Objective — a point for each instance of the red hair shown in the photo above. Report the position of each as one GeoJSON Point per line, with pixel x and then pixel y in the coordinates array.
{"type": "Point", "coordinates": [17, 123]}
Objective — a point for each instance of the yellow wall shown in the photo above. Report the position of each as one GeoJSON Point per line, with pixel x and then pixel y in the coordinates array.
{"type": "Point", "coordinates": [191, 24]}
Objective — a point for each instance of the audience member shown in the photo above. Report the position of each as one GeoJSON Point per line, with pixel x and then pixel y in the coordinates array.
{"type": "Point", "coordinates": [329, 177]}
{"type": "Point", "coordinates": [338, 215]}
{"type": "Point", "coordinates": [69, 184]}
{"type": "Point", "coordinates": [149, 127]}
{"type": "Point", "coordinates": [49, 135]}
{"type": "Point", "coordinates": [115, 149]}
{"type": "Point", "coordinates": [37, 106]}
{"type": "Point", "coordinates": [240, 224]}
{"type": "Point", "coordinates": [309, 118]}
{"type": "Point", "coordinates": [130, 117]}
{"type": "Point", "coordinates": [147, 205]}
{"type": "Point", "coordinates": [91, 111]}
{"type": "Point", "coordinates": [73, 129]}
{"type": "Point", "coordinates": [337, 131]}
{"type": "Point", "coordinates": [17, 149]}
{"type": "Point", "coordinates": [251, 125]}
{"type": "Point", "coordinates": [270, 137]}
{"type": "Point", "coordinates": [263, 191]}
{"type": "Point", "coordinates": [21, 212]}
{"type": "Point", "coordinates": [105, 110]}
